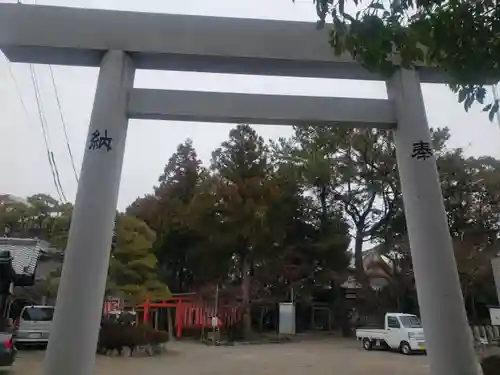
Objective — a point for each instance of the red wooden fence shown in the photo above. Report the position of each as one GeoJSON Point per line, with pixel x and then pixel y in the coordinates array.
{"type": "Point", "coordinates": [198, 315]}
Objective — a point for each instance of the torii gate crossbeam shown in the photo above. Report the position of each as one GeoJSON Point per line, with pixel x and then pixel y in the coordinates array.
{"type": "Point", "coordinates": [121, 42]}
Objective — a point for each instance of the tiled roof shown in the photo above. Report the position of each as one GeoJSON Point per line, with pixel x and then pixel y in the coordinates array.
{"type": "Point", "coordinates": [24, 252]}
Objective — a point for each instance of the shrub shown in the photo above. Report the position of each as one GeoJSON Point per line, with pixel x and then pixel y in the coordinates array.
{"type": "Point", "coordinates": [491, 365]}
{"type": "Point", "coordinates": [115, 336]}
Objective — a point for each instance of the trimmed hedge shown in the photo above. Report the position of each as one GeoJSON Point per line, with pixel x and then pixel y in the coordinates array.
{"type": "Point", "coordinates": [116, 336]}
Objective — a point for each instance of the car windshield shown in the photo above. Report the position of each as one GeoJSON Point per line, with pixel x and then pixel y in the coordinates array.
{"type": "Point", "coordinates": [38, 314]}
{"type": "Point", "coordinates": [410, 321]}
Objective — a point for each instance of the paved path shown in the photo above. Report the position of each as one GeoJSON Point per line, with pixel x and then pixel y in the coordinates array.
{"type": "Point", "coordinates": [334, 356]}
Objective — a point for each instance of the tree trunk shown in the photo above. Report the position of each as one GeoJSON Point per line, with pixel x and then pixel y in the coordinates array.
{"type": "Point", "coordinates": [398, 302]}
{"type": "Point", "coordinates": [324, 207]}
{"type": "Point", "coordinates": [170, 324]}
{"type": "Point", "coordinates": [181, 278]}
{"type": "Point", "coordinates": [263, 311]}
{"type": "Point", "coordinates": [358, 255]}
{"type": "Point", "coordinates": [473, 309]}
{"type": "Point", "coordinates": [341, 313]}
{"type": "Point", "coordinates": [245, 291]}
{"type": "Point", "coordinates": [3, 305]}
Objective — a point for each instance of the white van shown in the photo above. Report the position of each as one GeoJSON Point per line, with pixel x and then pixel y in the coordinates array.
{"type": "Point", "coordinates": [33, 326]}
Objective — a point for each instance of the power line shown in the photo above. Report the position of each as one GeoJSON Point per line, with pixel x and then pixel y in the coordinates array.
{"type": "Point", "coordinates": [50, 155]}
{"type": "Point", "coordinates": [44, 132]}
{"type": "Point", "coordinates": [56, 170]}
{"type": "Point", "coordinates": [63, 122]}
{"type": "Point", "coordinates": [57, 176]}
{"type": "Point", "coordinates": [18, 90]}
{"type": "Point", "coordinates": [43, 122]}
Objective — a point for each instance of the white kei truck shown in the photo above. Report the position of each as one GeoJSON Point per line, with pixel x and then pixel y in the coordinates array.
{"type": "Point", "coordinates": [402, 332]}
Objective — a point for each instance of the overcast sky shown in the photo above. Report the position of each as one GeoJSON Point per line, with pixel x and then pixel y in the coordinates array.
{"type": "Point", "coordinates": [24, 166]}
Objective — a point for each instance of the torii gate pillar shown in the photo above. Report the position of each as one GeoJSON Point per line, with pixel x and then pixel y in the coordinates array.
{"type": "Point", "coordinates": [72, 344]}
{"type": "Point", "coordinates": [448, 338]}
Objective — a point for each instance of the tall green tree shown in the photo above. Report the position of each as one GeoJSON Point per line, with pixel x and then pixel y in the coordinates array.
{"type": "Point", "coordinates": [15, 219]}
{"type": "Point", "coordinates": [177, 213]}
{"type": "Point", "coordinates": [353, 172]}
{"type": "Point", "coordinates": [471, 194]}
{"type": "Point", "coordinates": [41, 216]}
{"type": "Point", "coordinates": [243, 193]}
{"type": "Point", "coordinates": [57, 226]}
{"type": "Point", "coordinates": [310, 250]}
{"type": "Point", "coordinates": [133, 270]}
{"type": "Point", "coordinates": [349, 171]}
{"type": "Point", "coordinates": [471, 198]}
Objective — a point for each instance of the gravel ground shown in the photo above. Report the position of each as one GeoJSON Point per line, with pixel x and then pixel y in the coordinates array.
{"type": "Point", "coordinates": [332, 356]}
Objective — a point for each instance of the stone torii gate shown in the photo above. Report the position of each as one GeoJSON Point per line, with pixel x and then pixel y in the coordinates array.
{"type": "Point", "coordinates": [121, 42]}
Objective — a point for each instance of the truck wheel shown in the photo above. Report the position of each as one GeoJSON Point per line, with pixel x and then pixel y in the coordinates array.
{"type": "Point", "coordinates": [367, 344]}
{"type": "Point", "coordinates": [405, 348]}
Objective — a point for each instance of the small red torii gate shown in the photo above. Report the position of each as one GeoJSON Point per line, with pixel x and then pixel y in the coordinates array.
{"type": "Point", "coordinates": [189, 313]}
{"type": "Point", "coordinates": [176, 302]}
